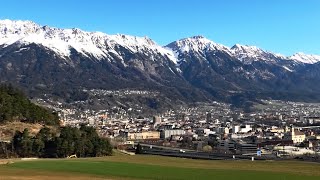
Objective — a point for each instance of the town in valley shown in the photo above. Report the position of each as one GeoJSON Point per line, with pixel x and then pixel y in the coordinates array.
{"type": "Point", "coordinates": [272, 130]}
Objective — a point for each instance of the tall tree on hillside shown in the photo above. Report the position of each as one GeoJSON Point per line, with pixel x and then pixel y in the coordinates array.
{"type": "Point", "coordinates": [67, 141]}
{"type": "Point", "coordinates": [23, 143]}
{"type": "Point", "coordinates": [38, 146]}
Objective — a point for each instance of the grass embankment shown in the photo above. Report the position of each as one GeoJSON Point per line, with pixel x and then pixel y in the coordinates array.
{"type": "Point", "coordinates": [155, 167]}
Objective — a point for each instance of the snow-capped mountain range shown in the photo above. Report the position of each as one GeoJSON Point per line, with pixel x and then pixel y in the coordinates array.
{"type": "Point", "coordinates": [99, 44]}
{"type": "Point", "coordinates": [47, 60]}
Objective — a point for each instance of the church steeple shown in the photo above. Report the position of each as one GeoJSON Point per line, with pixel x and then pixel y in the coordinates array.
{"type": "Point", "coordinates": [292, 131]}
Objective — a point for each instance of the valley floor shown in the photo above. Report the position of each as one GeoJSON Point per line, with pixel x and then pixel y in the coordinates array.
{"type": "Point", "coordinates": [155, 167]}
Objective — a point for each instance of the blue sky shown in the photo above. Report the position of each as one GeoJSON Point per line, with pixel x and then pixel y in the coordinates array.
{"type": "Point", "coordinates": [281, 26]}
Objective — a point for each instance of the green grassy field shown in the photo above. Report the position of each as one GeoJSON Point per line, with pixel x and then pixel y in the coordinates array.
{"type": "Point", "coordinates": [156, 167]}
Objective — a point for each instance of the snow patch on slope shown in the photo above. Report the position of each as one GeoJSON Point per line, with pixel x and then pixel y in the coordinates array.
{"type": "Point", "coordinates": [288, 69]}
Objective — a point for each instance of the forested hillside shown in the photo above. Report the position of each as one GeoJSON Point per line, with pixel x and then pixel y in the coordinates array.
{"type": "Point", "coordinates": [15, 106]}
{"type": "Point", "coordinates": [83, 141]}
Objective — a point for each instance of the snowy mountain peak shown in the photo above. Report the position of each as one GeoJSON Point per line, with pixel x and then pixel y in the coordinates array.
{"type": "Point", "coordinates": [246, 48]}
{"type": "Point", "coordinates": [248, 54]}
{"type": "Point", "coordinates": [197, 37]}
{"type": "Point", "coordinates": [132, 40]}
{"type": "Point", "coordinates": [196, 44]}
{"type": "Point", "coordinates": [17, 27]}
{"type": "Point", "coordinates": [305, 58]}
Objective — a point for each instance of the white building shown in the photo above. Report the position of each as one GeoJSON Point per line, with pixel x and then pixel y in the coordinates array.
{"type": "Point", "coordinates": [235, 129]}
{"type": "Point", "coordinates": [246, 128]}
{"type": "Point", "coordinates": [241, 129]}
{"type": "Point", "coordinates": [168, 133]}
